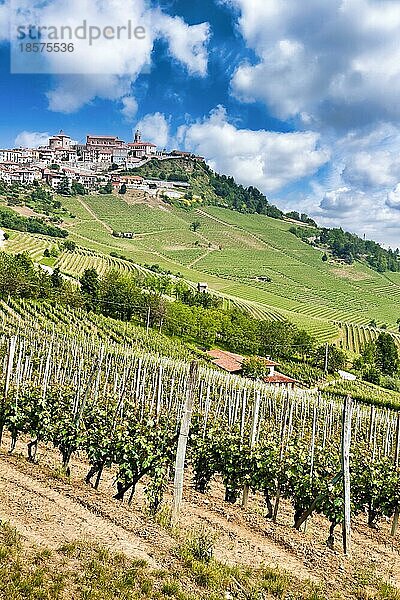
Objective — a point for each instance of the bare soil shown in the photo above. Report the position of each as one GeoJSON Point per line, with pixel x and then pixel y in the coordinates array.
{"type": "Point", "coordinates": [49, 510]}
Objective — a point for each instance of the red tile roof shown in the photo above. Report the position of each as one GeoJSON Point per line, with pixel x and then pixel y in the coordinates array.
{"type": "Point", "coordinates": [227, 360]}
{"type": "Point", "coordinates": [136, 144]}
{"type": "Point", "coordinates": [104, 137]}
{"type": "Point", "coordinates": [279, 378]}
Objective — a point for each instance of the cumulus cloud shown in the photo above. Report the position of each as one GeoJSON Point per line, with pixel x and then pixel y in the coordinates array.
{"type": "Point", "coordinates": [393, 198]}
{"type": "Point", "coordinates": [32, 139]}
{"type": "Point", "coordinates": [108, 67]}
{"type": "Point", "coordinates": [371, 159]}
{"type": "Point", "coordinates": [321, 61]}
{"type": "Point", "coordinates": [155, 128]}
{"type": "Point", "coordinates": [129, 107]}
{"type": "Point", "coordinates": [187, 43]}
{"type": "Point", "coordinates": [71, 92]}
{"type": "Point", "coordinates": [266, 159]}
{"type": "Point", "coordinates": [343, 200]}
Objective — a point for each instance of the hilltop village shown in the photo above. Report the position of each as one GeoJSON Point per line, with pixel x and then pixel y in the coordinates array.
{"type": "Point", "coordinates": [102, 159]}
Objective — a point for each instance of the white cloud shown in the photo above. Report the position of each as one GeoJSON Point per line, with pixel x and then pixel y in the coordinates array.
{"type": "Point", "coordinates": [71, 92]}
{"type": "Point", "coordinates": [4, 26]}
{"type": "Point", "coordinates": [31, 139]}
{"type": "Point", "coordinates": [393, 198]}
{"type": "Point", "coordinates": [187, 44]}
{"type": "Point", "coordinates": [335, 62]}
{"type": "Point", "coordinates": [370, 159]}
{"type": "Point", "coordinates": [343, 200]}
{"type": "Point", "coordinates": [266, 159]}
{"type": "Point", "coordinates": [109, 67]}
{"type": "Point", "coordinates": [155, 128]}
{"type": "Point", "coordinates": [129, 107]}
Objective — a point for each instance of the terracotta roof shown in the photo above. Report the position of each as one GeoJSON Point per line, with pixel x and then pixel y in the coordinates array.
{"type": "Point", "coordinates": [226, 360]}
{"type": "Point", "coordinates": [279, 378]}
{"type": "Point", "coordinates": [135, 144]}
{"type": "Point", "coordinates": [103, 137]}
{"type": "Point", "coordinates": [233, 362]}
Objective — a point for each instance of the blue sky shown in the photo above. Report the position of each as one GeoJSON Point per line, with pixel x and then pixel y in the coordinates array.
{"type": "Point", "coordinates": [297, 98]}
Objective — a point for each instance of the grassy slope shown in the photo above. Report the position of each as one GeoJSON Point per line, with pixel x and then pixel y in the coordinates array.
{"type": "Point", "coordinates": [230, 250]}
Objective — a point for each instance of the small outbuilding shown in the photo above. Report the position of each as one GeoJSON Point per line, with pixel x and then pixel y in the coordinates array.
{"type": "Point", "coordinates": [202, 287]}
{"type": "Point", "coordinates": [233, 363]}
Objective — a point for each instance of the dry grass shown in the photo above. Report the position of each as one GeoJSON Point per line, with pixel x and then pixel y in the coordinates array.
{"type": "Point", "coordinates": [84, 571]}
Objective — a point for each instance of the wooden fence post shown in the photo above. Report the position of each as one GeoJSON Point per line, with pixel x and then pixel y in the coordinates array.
{"type": "Point", "coordinates": [253, 438]}
{"type": "Point", "coordinates": [345, 456]}
{"type": "Point", "coordinates": [182, 441]}
{"type": "Point", "coordinates": [285, 412]}
{"type": "Point", "coordinates": [10, 362]}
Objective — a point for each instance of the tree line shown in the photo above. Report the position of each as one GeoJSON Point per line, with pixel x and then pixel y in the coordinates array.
{"type": "Point", "coordinates": [10, 220]}
{"type": "Point", "coordinates": [350, 247]}
{"type": "Point", "coordinates": [162, 302]}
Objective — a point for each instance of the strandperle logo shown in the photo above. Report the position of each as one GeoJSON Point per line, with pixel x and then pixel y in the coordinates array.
{"type": "Point", "coordinates": [83, 31]}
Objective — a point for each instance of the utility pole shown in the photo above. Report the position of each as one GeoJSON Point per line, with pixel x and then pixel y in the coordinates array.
{"type": "Point", "coordinates": [148, 320]}
{"type": "Point", "coordinates": [326, 357]}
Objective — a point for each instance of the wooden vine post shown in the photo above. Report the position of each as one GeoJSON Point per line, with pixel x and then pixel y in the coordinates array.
{"type": "Point", "coordinates": [253, 438]}
{"type": "Point", "coordinates": [10, 362]}
{"type": "Point", "coordinates": [396, 463]}
{"type": "Point", "coordinates": [345, 456]}
{"type": "Point", "coordinates": [182, 441]}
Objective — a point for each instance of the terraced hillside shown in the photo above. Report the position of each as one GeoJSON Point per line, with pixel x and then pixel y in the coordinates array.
{"type": "Point", "coordinates": [252, 260]}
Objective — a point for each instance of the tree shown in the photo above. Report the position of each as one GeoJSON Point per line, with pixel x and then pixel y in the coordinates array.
{"type": "Point", "coordinates": [64, 187]}
{"type": "Point", "coordinates": [195, 225]}
{"type": "Point", "coordinates": [255, 367]}
{"type": "Point", "coordinates": [107, 189]}
{"type": "Point", "coordinates": [387, 356]}
{"type": "Point", "coordinates": [325, 257]}
{"type": "Point", "coordinates": [371, 374]}
{"type": "Point", "coordinates": [56, 278]}
{"type": "Point", "coordinates": [303, 343]}
{"type": "Point", "coordinates": [120, 296]}
{"type": "Point", "coordinates": [122, 189]}
{"type": "Point", "coordinates": [69, 245]}
{"type": "Point", "coordinates": [90, 287]}
{"type": "Point", "coordinates": [78, 189]}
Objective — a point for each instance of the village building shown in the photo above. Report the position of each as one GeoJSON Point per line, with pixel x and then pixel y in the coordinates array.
{"type": "Point", "coordinates": [103, 141]}
{"type": "Point", "coordinates": [19, 175]}
{"type": "Point", "coordinates": [119, 156]}
{"type": "Point", "coordinates": [60, 141]}
{"type": "Point", "coordinates": [233, 363]}
{"type": "Point", "coordinates": [140, 149]}
{"type": "Point", "coordinates": [19, 155]}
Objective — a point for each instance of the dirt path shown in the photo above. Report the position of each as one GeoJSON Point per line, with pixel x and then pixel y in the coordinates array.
{"type": "Point", "coordinates": [95, 217]}
{"type": "Point", "coordinates": [199, 258]}
{"type": "Point", "coordinates": [50, 512]}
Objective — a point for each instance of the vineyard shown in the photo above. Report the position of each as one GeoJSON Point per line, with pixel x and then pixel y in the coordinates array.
{"type": "Point", "coordinates": [89, 328]}
{"type": "Point", "coordinates": [251, 261]}
{"type": "Point", "coordinates": [127, 410]}
{"type": "Point", "coordinates": [355, 337]}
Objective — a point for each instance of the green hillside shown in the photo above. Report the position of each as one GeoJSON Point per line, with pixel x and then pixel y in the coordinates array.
{"type": "Point", "coordinates": [252, 260]}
